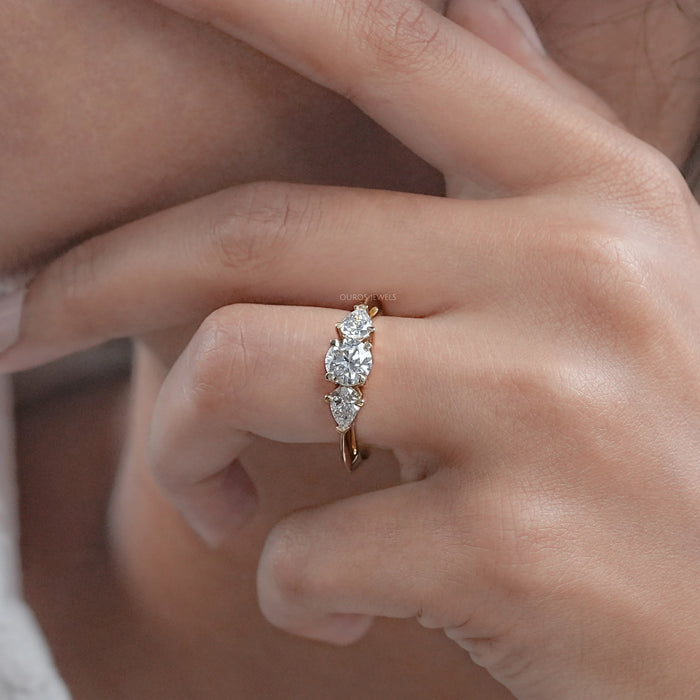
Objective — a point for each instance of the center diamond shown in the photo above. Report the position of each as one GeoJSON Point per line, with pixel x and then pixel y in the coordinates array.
{"type": "Point", "coordinates": [348, 362]}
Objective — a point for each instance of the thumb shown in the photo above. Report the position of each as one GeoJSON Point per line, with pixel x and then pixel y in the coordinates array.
{"type": "Point", "coordinates": [505, 25]}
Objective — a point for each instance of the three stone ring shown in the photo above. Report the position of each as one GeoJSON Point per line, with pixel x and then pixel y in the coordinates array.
{"type": "Point", "coordinates": [348, 364]}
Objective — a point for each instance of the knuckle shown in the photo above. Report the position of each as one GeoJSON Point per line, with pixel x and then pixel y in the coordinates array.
{"type": "Point", "coordinates": [565, 409]}
{"type": "Point", "coordinates": [603, 283]}
{"type": "Point", "coordinates": [222, 361]}
{"type": "Point", "coordinates": [405, 38]}
{"type": "Point", "coordinates": [650, 184]}
{"type": "Point", "coordinates": [616, 280]}
{"type": "Point", "coordinates": [608, 264]}
{"type": "Point", "coordinates": [284, 570]}
{"type": "Point", "coordinates": [659, 182]}
{"type": "Point", "coordinates": [536, 394]}
{"type": "Point", "coordinates": [258, 223]}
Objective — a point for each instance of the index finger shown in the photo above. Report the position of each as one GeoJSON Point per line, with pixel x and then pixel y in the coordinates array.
{"type": "Point", "coordinates": [454, 100]}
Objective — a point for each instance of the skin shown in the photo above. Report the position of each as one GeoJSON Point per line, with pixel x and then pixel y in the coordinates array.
{"type": "Point", "coordinates": [173, 593]}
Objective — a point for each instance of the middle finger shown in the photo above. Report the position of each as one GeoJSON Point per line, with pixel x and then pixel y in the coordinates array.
{"type": "Point", "coordinates": [264, 243]}
{"type": "Point", "coordinates": [453, 99]}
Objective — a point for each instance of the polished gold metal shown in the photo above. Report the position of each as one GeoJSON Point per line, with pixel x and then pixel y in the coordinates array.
{"type": "Point", "coordinates": [349, 450]}
{"type": "Point", "coordinates": [351, 454]}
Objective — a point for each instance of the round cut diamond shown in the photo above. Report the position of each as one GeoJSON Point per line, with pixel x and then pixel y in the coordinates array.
{"type": "Point", "coordinates": [345, 402]}
{"type": "Point", "coordinates": [357, 325]}
{"type": "Point", "coordinates": [348, 362]}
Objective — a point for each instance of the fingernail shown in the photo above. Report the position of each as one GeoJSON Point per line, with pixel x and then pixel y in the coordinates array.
{"type": "Point", "coordinates": [10, 318]}
{"type": "Point", "coordinates": [520, 17]}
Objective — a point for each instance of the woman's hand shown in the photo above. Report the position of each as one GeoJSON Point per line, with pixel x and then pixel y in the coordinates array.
{"type": "Point", "coordinates": [537, 375]}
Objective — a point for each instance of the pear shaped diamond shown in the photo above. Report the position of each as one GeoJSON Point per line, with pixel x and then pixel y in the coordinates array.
{"type": "Point", "coordinates": [345, 402]}
{"type": "Point", "coordinates": [357, 325]}
{"type": "Point", "coordinates": [348, 362]}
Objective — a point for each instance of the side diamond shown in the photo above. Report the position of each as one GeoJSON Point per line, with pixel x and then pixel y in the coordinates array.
{"type": "Point", "coordinates": [345, 403]}
{"type": "Point", "coordinates": [357, 325]}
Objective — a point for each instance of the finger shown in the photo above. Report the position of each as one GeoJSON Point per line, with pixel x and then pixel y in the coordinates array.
{"type": "Point", "coordinates": [506, 26]}
{"type": "Point", "coordinates": [258, 370]}
{"type": "Point", "coordinates": [265, 243]}
{"type": "Point", "coordinates": [453, 99]}
{"type": "Point", "coordinates": [325, 572]}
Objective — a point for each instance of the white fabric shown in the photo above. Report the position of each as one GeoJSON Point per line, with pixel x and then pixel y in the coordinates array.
{"type": "Point", "coordinates": [26, 669]}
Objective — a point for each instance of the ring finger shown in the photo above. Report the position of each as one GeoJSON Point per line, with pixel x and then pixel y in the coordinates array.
{"type": "Point", "coordinates": [257, 370]}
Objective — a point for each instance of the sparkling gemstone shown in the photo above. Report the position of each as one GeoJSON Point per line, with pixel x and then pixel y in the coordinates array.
{"type": "Point", "coordinates": [357, 324]}
{"type": "Point", "coordinates": [345, 403]}
{"type": "Point", "coordinates": [348, 362]}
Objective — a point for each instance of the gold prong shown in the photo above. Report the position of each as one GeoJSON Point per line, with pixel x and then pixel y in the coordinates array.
{"type": "Point", "coordinates": [330, 377]}
{"type": "Point", "coordinates": [327, 398]}
{"type": "Point", "coordinates": [360, 403]}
